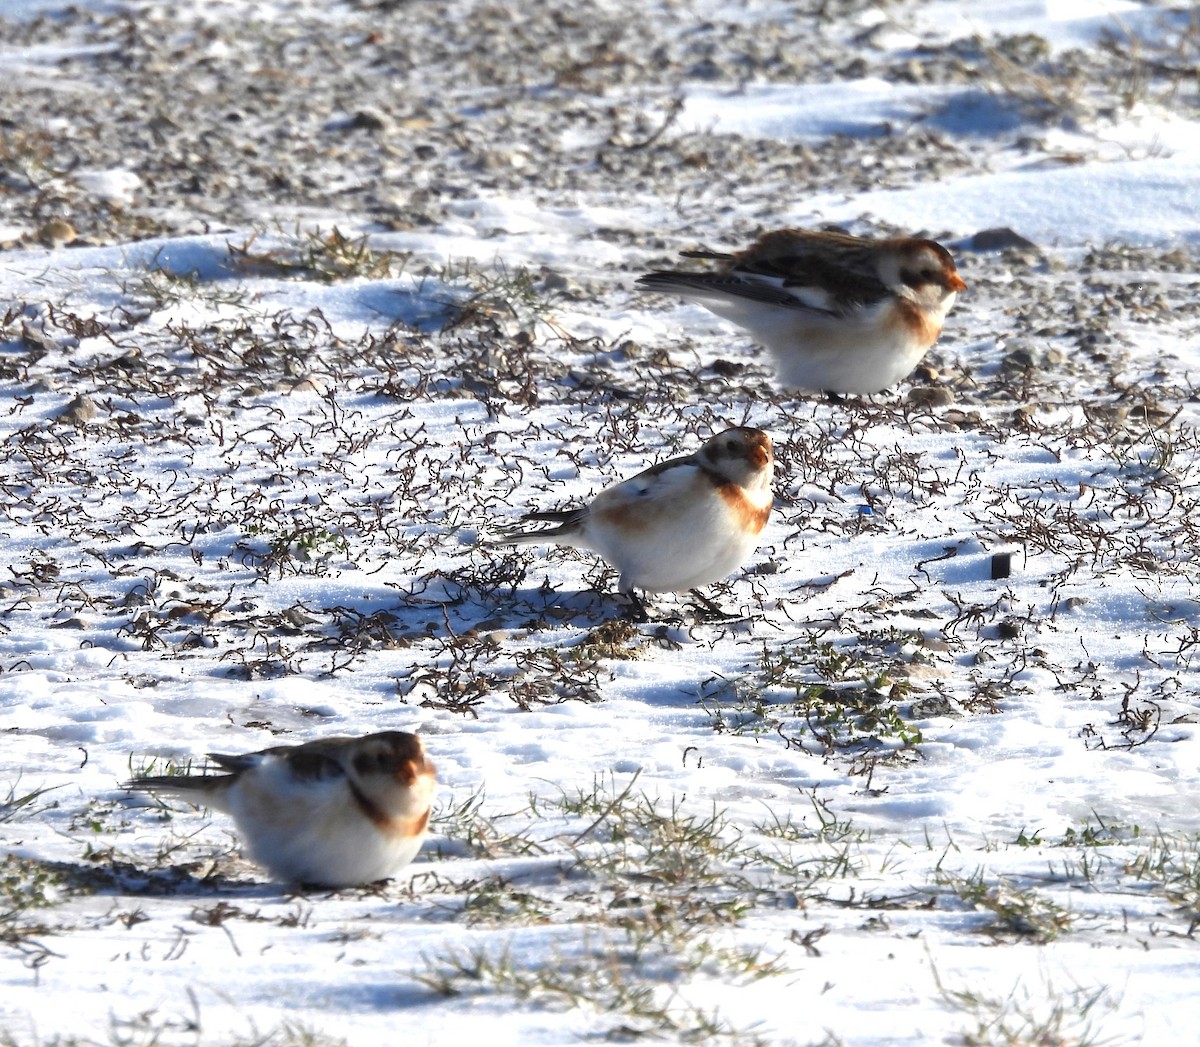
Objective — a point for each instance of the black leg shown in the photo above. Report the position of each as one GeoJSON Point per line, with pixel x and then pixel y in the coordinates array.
{"type": "Point", "coordinates": [637, 610]}
{"type": "Point", "coordinates": [710, 609]}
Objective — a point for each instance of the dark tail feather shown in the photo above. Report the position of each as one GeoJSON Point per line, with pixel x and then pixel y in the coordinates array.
{"type": "Point", "coordinates": [558, 516]}
{"type": "Point", "coordinates": [704, 252]}
{"type": "Point", "coordinates": [664, 280]}
{"type": "Point", "coordinates": [163, 781]}
{"type": "Point", "coordinates": [718, 286]}
{"type": "Point", "coordinates": [181, 784]}
{"type": "Point", "coordinates": [567, 520]}
{"type": "Point", "coordinates": [235, 762]}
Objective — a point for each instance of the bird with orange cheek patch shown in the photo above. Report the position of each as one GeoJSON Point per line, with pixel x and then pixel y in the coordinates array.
{"type": "Point", "coordinates": [678, 525]}
{"type": "Point", "coordinates": [332, 813]}
{"type": "Point", "coordinates": [839, 313]}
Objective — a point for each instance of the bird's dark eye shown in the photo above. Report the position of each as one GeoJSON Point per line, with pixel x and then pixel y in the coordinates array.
{"type": "Point", "coordinates": [921, 277]}
{"type": "Point", "coordinates": [372, 762]}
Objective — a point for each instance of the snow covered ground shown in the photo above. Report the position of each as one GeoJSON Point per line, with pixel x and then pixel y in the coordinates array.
{"type": "Point", "coordinates": [300, 299]}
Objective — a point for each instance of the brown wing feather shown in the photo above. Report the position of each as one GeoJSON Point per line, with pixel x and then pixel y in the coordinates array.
{"type": "Point", "coordinates": [840, 265]}
{"type": "Point", "coordinates": [800, 258]}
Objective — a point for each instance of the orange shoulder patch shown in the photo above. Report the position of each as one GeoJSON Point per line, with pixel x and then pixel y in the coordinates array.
{"type": "Point", "coordinates": [917, 321]}
{"type": "Point", "coordinates": [753, 518]}
{"type": "Point", "coordinates": [624, 516]}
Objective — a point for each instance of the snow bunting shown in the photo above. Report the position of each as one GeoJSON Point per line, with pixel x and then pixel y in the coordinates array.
{"type": "Point", "coordinates": [335, 813]}
{"type": "Point", "coordinates": [680, 524]}
{"type": "Point", "coordinates": [839, 313]}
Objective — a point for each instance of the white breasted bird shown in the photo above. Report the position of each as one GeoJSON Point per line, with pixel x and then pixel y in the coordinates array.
{"type": "Point", "coordinates": [838, 313]}
{"type": "Point", "coordinates": [678, 525]}
{"type": "Point", "coordinates": [335, 813]}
